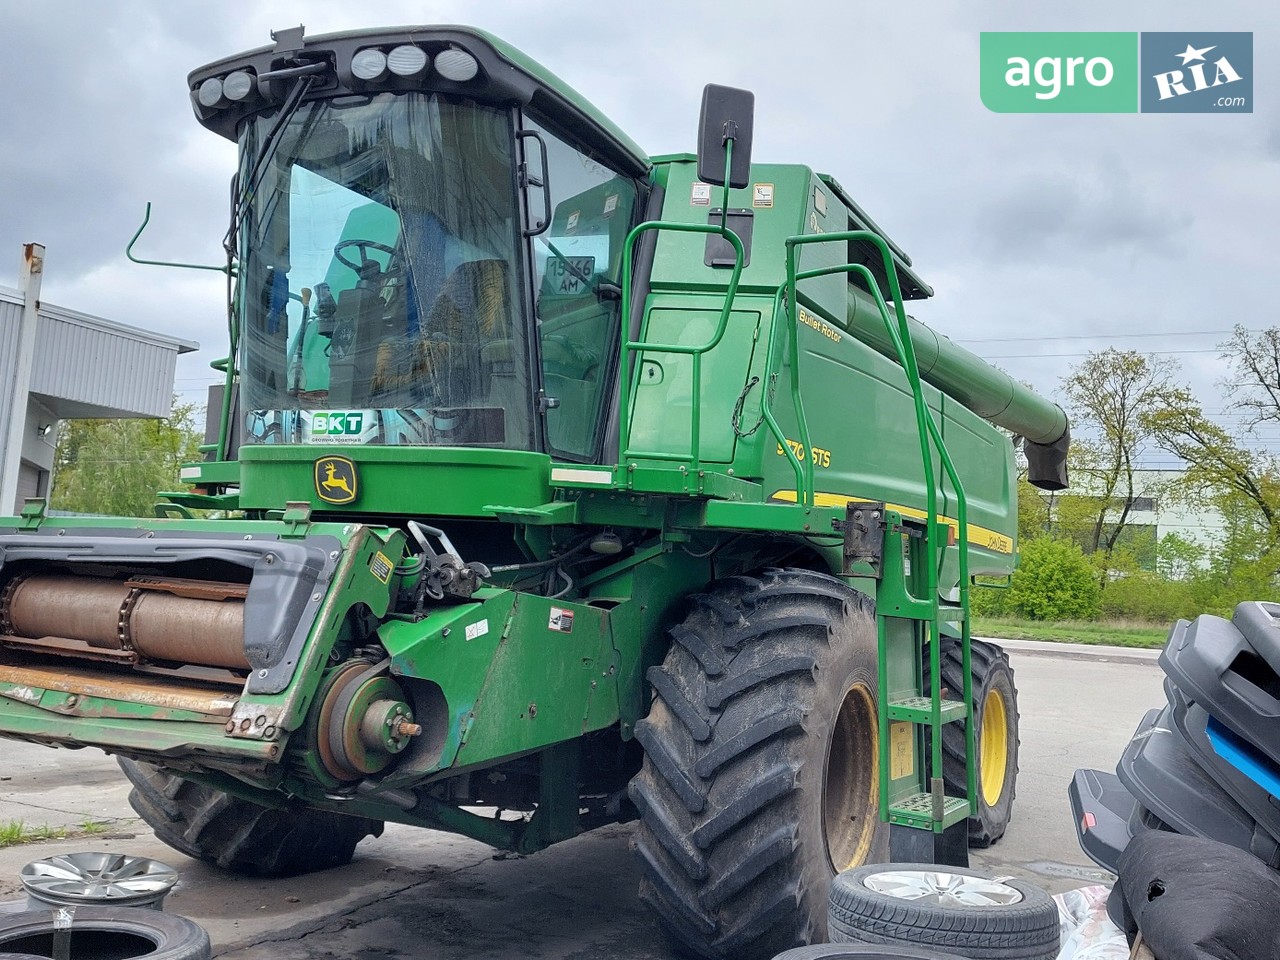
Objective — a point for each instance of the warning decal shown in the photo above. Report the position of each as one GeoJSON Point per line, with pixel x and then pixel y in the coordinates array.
{"type": "Point", "coordinates": [380, 566]}
{"type": "Point", "coordinates": [561, 620]}
{"type": "Point", "coordinates": [902, 752]}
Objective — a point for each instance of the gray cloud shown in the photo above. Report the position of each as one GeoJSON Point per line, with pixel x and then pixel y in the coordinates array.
{"type": "Point", "coordinates": [1050, 226]}
{"type": "Point", "coordinates": [1097, 211]}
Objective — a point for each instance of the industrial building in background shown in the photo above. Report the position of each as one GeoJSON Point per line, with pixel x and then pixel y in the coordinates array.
{"type": "Point", "coordinates": [57, 364]}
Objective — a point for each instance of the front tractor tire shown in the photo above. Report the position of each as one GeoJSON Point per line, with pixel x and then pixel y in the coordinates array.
{"type": "Point", "coordinates": [759, 780]}
{"type": "Point", "coordinates": [240, 836]}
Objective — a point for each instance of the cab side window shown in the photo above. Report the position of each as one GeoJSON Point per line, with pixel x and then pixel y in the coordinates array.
{"type": "Point", "coordinates": [577, 266]}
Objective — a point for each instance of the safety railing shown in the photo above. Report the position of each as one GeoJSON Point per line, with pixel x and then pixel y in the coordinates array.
{"type": "Point", "coordinates": [629, 384]}
{"type": "Point", "coordinates": [930, 437]}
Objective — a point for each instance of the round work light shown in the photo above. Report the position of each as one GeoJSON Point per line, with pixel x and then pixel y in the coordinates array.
{"type": "Point", "coordinates": [210, 92]}
{"type": "Point", "coordinates": [457, 65]}
{"type": "Point", "coordinates": [407, 60]}
{"type": "Point", "coordinates": [238, 85]}
{"type": "Point", "coordinates": [369, 63]}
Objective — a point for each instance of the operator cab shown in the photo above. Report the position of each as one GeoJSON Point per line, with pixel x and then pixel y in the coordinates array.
{"type": "Point", "coordinates": [429, 231]}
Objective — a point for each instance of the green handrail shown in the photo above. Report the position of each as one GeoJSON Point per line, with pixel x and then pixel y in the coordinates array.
{"type": "Point", "coordinates": [930, 436]}
{"type": "Point", "coordinates": [627, 386]}
{"type": "Point", "coordinates": [803, 471]}
{"type": "Point", "coordinates": [128, 252]}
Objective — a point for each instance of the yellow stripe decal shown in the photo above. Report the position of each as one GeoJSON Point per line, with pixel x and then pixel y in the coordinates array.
{"type": "Point", "coordinates": [978, 536]}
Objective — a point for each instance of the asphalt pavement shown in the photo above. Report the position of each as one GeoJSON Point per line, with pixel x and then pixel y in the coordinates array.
{"type": "Point", "coordinates": [413, 893]}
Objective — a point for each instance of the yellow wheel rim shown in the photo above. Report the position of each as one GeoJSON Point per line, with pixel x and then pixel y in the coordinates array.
{"type": "Point", "coordinates": [850, 804]}
{"type": "Point", "coordinates": [994, 748]}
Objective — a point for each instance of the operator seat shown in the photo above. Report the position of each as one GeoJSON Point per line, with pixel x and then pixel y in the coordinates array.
{"type": "Point", "coordinates": [360, 325]}
{"type": "Point", "coordinates": [462, 352]}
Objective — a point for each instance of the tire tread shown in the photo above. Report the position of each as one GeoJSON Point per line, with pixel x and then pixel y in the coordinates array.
{"type": "Point", "coordinates": [719, 839]}
{"type": "Point", "coordinates": [237, 835]}
{"type": "Point", "coordinates": [1027, 930]}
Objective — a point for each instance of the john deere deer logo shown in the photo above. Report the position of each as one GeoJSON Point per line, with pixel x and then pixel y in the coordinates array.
{"type": "Point", "coordinates": [336, 480]}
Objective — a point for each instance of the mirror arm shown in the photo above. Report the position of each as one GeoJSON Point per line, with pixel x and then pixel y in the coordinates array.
{"type": "Point", "coordinates": [728, 165]}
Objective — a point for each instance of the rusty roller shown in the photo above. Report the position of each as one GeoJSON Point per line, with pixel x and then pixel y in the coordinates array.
{"type": "Point", "coordinates": [148, 619]}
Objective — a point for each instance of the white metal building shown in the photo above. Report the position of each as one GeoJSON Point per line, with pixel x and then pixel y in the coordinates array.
{"type": "Point", "coordinates": [58, 364]}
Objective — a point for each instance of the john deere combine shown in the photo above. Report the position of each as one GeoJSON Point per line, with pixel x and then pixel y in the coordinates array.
{"type": "Point", "coordinates": [557, 485]}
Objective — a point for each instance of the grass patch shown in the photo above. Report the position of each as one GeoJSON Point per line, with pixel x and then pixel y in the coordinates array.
{"type": "Point", "coordinates": [17, 832]}
{"type": "Point", "coordinates": [1114, 633]}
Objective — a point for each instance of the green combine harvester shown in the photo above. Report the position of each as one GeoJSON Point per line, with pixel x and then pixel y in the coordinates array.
{"type": "Point", "coordinates": [552, 485]}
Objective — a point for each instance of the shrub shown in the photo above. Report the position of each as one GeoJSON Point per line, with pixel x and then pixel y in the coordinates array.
{"type": "Point", "coordinates": [1055, 582]}
{"type": "Point", "coordinates": [1143, 595]}
{"type": "Point", "coordinates": [990, 601]}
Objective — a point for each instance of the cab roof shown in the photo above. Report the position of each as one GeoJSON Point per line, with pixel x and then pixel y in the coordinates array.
{"type": "Point", "coordinates": [505, 75]}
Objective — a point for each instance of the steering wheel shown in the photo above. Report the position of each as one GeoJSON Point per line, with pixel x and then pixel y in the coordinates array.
{"type": "Point", "coordinates": [363, 246]}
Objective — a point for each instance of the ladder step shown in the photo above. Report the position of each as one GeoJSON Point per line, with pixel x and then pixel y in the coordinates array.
{"type": "Point", "coordinates": [912, 609]}
{"type": "Point", "coordinates": [920, 710]}
{"type": "Point", "coordinates": [916, 810]}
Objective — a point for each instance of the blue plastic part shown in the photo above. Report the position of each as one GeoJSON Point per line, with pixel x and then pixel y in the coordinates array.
{"type": "Point", "coordinates": [1244, 757]}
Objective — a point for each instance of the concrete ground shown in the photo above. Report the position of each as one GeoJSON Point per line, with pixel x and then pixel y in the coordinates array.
{"type": "Point", "coordinates": [413, 893]}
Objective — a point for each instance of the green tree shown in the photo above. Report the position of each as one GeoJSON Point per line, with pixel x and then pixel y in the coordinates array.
{"type": "Point", "coordinates": [1177, 557]}
{"type": "Point", "coordinates": [1034, 513]}
{"type": "Point", "coordinates": [116, 467]}
{"type": "Point", "coordinates": [1242, 564]}
{"type": "Point", "coordinates": [1220, 466]}
{"type": "Point", "coordinates": [1255, 388]}
{"type": "Point", "coordinates": [1111, 395]}
{"type": "Point", "coordinates": [1232, 471]}
{"type": "Point", "coordinates": [1217, 462]}
{"type": "Point", "coordinates": [1054, 581]}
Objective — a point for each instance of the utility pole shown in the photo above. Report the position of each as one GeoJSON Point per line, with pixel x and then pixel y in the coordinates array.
{"type": "Point", "coordinates": [15, 430]}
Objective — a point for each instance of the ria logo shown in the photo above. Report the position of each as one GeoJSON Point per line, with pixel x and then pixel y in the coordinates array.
{"type": "Point", "coordinates": [1197, 73]}
{"type": "Point", "coordinates": [1171, 84]}
{"type": "Point", "coordinates": [1116, 72]}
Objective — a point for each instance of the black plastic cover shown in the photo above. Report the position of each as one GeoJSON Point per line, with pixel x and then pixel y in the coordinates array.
{"type": "Point", "coordinates": [1259, 622]}
{"type": "Point", "coordinates": [1102, 808]}
{"type": "Point", "coordinates": [1214, 665]}
{"type": "Point", "coordinates": [720, 252]}
{"type": "Point", "coordinates": [1195, 899]}
{"type": "Point", "coordinates": [1191, 721]}
{"type": "Point", "coordinates": [1158, 769]}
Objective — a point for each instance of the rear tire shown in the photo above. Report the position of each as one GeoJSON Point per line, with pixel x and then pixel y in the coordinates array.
{"type": "Point", "coordinates": [240, 836]}
{"type": "Point", "coordinates": [128, 933]}
{"type": "Point", "coordinates": [859, 951]}
{"type": "Point", "coordinates": [995, 709]}
{"type": "Point", "coordinates": [761, 758]}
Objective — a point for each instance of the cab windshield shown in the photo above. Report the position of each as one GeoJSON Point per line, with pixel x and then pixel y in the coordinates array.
{"type": "Point", "coordinates": [379, 290]}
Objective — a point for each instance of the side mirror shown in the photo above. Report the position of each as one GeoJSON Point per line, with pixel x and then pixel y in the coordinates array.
{"type": "Point", "coordinates": [727, 114]}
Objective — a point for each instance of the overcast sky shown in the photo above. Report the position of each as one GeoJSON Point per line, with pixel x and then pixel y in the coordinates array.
{"type": "Point", "coordinates": [1044, 236]}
